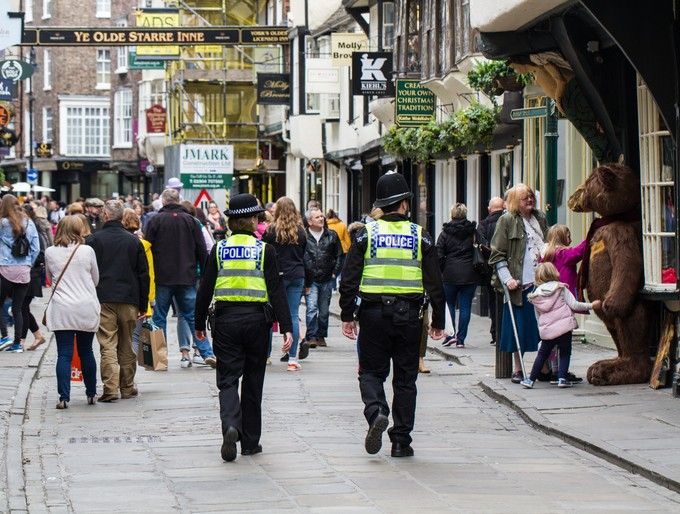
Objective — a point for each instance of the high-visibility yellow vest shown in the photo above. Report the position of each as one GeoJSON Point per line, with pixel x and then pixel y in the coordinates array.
{"type": "Point", "coordinates": [240, 270]}
{"type": "Point", "coordinates": [393, 258]}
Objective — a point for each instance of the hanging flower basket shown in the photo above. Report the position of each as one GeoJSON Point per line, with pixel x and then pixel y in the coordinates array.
{"type": "Point", "coordinates": [509, 83]}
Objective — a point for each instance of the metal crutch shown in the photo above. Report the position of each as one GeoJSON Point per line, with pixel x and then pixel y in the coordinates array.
{"type": "Point", "coordinates": [514, 329]}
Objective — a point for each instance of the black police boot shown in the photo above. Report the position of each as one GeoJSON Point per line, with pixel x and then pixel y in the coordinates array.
{"type": "Point", "coordinates": [252, 451]}
{"type": "Point", "coordinates": [229, 439]}
{"type": "Point", "coordinates": [373, 441]}
{"type": "Point", "coordinates": [401, 450]}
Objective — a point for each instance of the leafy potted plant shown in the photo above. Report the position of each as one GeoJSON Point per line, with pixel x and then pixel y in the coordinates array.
{"type": "Point", "coordinates": [474, 125]}
{"type": "Point", "coordinates": [494, 77]}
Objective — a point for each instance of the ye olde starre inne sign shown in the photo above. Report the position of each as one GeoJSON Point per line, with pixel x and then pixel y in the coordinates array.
{"type": "Point", "coordinates": [414, 104]}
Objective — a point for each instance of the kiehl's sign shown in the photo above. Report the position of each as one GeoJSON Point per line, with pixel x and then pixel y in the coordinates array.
{"type": "Point", "coordinates": [273, 89]}
{"type": "Point", "coordinates": [124, 36]}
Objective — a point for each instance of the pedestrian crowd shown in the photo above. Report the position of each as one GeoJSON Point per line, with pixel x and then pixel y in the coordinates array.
{"type": "Point", "coordinates": [117, 266]}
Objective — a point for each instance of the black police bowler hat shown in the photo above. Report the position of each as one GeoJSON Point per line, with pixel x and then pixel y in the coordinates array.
{"type": "Point", "coordinates": [391, 188]}
{"type": "Point", "coordinates": [243, 206]}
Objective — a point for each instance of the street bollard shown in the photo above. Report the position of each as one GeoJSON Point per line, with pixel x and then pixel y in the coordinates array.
{"type": "Point", "coordinates": [503, 359]}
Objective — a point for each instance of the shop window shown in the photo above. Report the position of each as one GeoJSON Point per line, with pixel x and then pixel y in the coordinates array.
{"type": "Point", "coordinates": [122, 121]}
{"type": "Point", "coordinates": [84, 127]}
{"type": "Point", "coordinates": [659, 216]}
{"type": "Point", "coordinates": [103, 68]}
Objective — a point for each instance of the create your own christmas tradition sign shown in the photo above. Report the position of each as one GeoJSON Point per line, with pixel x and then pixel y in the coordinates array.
{"type": "Point", "coordinates": [414, 104]}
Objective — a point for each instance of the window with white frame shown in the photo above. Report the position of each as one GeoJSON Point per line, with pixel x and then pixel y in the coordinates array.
{"type": "Point", "coordinates": [28, 11]}
{"type": "Point", "coordinates": [103, 9]}
{"type": "Point", "coordinates": [47, 125]}
{"type": "Point", "coordinates": [658, 195]}
{"type": "Point", "coordinates": [84, 128]}
{"type": "Point", "coordinates": [103, 68]}
{"type": "Point", "coordinates": [388, 25]}
{"type": "Point", "coordinates": [47, 9]}
{"type": "Point", "coordinates": [47, 69]}
{"type": "Point", "coordinates": [122, 61]}
{"type": "Point", "coordinates": [122, 119]}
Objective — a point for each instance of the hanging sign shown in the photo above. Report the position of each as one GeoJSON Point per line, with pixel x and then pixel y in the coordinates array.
{"type": "Point", "coordinates": [11, 24]}
{"type": "Point", "coordinates": [372, 74]}
{"type": "Point", "coordinates": [273, 89]}
{"type": "Point", "coordinates": [157, 18]}
{"type": "Point", "coordinates": [8, 89]}
{"type": "Point", "coordinates": [4, 116]}
{"type": "Point", "coordinates": [414, 104]}
{"type": "Point", "coordinates": [343, 44]}
{"type": "Point", "coordinates": [322, 76]}
{"type": "Point", "coordinates": [206, 166]}
{"type": "Point", "coordinates": [44, 150]}
{"type": "Point", "coordinates": [155, 119]}
{"type": "Point", "coordinates": [15, 70]}
{"type": "Point", "coordinates": [134, 64]}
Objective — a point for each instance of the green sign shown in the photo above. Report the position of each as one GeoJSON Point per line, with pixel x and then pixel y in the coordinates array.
{"type": "Point", "coordinates": [529, 112]}
{"type": "Point", "coordinates": [206, 181]}
{"type": "Point", "coordinates": [15, 70]}
{"type": "Point", "coordinates": [414, 105]}
{"type": "Point", "coordinates": [134, 64]}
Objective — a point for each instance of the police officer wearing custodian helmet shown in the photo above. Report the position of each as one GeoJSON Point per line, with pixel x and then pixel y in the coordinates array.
{"type": "Point", "coordinates": [243, 277]}
{"type": "Point", "coordinates": [391, 265]}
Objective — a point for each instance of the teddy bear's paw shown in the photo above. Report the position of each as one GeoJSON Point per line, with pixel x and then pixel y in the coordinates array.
{"type": "Point", "coordinates": [618, 371]}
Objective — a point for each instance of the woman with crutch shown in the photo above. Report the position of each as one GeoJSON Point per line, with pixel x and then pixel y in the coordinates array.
{"type": "Point", "coordinates": [515, 253]}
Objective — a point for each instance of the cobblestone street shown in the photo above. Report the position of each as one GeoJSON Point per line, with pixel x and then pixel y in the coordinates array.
{"type": "Point", "coordinates": [160, 451]}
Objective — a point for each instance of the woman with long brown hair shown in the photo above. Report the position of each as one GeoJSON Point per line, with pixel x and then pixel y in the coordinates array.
{"type": "Point", "coordinates": [287, 236]}
{"type": "Point", "coordinates": [19, 250]}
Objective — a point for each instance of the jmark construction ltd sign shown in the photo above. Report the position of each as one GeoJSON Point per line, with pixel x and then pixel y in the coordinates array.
{"type": "Point", "coordinates": [414, 104]}
{"type": "Point", "coordinates": [206, 166]}
{"type": "Point", "coordinates": [135, 36]}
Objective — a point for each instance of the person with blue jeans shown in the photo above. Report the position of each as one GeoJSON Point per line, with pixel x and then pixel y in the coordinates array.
{"type": "Point", "coordinates": [289, 240]}
{"type": "Point", "coordinates": [323, 258]}
{"type": "Point", "coordinates": [178, 249]}
{"type": "Point", "coordinates": [455, 250]}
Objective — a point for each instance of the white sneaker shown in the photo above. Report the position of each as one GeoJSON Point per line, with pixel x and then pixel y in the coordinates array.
{"type": "Point", "coordinates": [185, 362]}
{"type": "Point", "coordinates": [211, 361]}
{"type": "Point", "coordinates": [197, 359]}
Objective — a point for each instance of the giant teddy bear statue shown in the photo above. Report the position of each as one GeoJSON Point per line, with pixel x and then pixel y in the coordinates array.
{"type": "Point", "coordinates": [612, 271]}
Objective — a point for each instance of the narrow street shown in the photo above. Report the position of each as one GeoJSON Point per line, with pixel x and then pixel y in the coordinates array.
{"type": "Point", "coordinates": [160, 451]}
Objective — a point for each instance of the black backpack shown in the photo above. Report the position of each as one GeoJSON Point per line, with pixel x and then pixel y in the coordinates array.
{"type": "Point", "coordinates": [21, 246]}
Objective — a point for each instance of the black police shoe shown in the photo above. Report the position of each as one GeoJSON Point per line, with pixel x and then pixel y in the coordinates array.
{"type": "Point", "coordinates": [401, 450]}
{"type": "Point", "coordinates": [373, 441]}
{"type": "Point", "coordinates": [229, 439]}
{"type": "Point", "coordinates": [252, 451]}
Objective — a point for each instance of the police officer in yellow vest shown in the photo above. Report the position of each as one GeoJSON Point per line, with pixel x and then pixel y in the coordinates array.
{"type": "Point", "coordinates": [243, 278]}
{"type": "Point", "coordinates": [391, 265]}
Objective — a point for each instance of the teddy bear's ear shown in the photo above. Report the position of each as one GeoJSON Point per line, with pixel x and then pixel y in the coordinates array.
{"type": "Point", "coordinates": [608, 178]}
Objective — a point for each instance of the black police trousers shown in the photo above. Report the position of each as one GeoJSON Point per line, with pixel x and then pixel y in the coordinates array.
{"type": "Point", "coordinates": [381, 341]}
{"type": "Point", "coordinates": [241, 345]}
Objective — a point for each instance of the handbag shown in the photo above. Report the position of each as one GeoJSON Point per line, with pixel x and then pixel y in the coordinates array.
{"type": "Point", "coordinates": [479, 262]}
{"type": "Point", "coordinates": [56, 284]}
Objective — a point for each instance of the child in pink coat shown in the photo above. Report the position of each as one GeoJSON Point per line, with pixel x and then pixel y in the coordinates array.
{"type": "Point", "coordinates": [564, 257]}
{"type": "Point", "coordinates": [554, 305]}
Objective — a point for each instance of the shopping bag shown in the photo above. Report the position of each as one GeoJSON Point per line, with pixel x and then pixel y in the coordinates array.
{"type": "Point", "coordinates": [153, 351]}
{"type": "Point", "coordinates": [76, 368]}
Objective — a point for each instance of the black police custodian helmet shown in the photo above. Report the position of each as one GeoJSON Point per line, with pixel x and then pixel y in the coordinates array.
{"type": "Point", "coordinates": [243, 206]}
{"type": "Point", "coordinates": [391, 188]}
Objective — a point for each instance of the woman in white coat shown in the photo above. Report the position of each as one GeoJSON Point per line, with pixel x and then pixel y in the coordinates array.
{"type": "Point", "coordinates": [73, 310]}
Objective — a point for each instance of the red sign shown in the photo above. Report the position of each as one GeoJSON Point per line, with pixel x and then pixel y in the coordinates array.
{"type": "Point", "coordinates": [155, 119]}
{"type": "Point", "coordinates": [4, 116]}
{"type": "Point", "coordinates": [203, 200]}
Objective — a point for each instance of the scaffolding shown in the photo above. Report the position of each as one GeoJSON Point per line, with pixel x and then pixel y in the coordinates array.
{"type": "Point", "coordinates": [212, 97]}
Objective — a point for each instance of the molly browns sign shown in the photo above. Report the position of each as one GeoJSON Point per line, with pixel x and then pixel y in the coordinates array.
{"type": "Point", "coordinates": [273, 88]}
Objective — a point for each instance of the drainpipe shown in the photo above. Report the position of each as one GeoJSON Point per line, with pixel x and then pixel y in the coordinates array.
{"type": "Point", "coordinates": [551, 163]}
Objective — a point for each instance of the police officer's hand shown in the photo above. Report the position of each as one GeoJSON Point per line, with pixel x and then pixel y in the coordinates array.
{"type": "Point", "coordinates": [200, 335]}
{"type": "Point", "coordinates": [287, 341]}
{"type": "Point", "coordinates": [436, 333]}
{"type": "Point", "coordinates": [349, 329]}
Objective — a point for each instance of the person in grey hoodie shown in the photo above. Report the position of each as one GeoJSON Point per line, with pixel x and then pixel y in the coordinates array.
{"type": "Point", "coordinates": [554, 305]}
